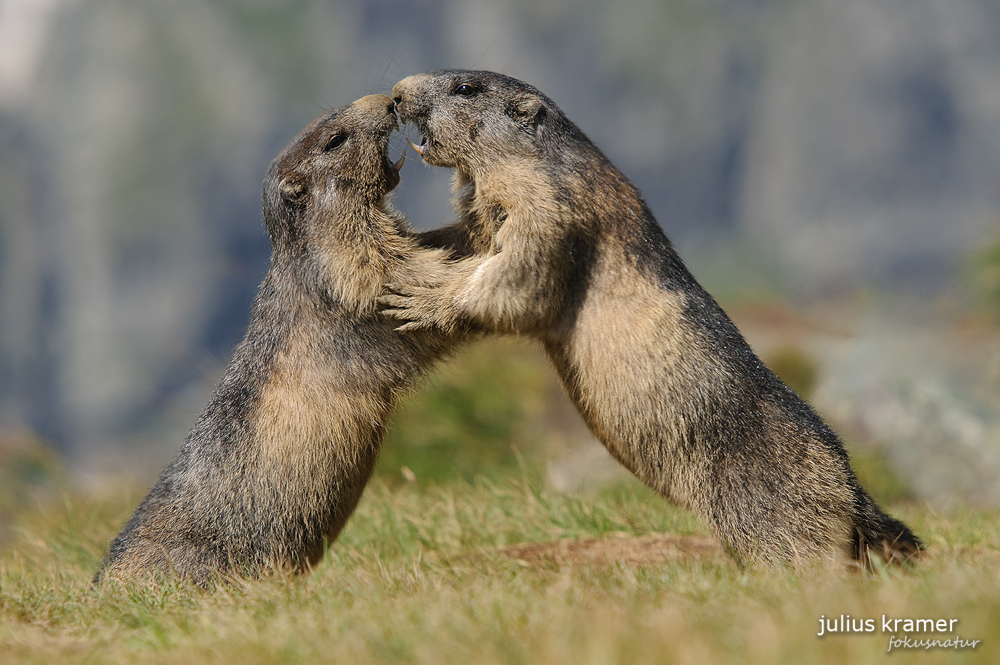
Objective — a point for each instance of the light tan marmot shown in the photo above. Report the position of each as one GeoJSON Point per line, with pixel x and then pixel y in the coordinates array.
{"type": "Point", "coordinates": [279, 458]}
{"type": "Point", "coordinates": [557, 244]}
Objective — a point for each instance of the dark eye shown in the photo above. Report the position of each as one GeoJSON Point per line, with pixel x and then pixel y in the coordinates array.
{"type": "Point", "coordinates": [466, 90]}
{"type": "Point", "coordinates": [335, 142]}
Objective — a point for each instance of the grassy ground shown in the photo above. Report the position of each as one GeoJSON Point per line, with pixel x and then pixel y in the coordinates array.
{"type": "Point", "coordinates": [436, 575]}
{"type": "Point", "coordinates": [479, 560]}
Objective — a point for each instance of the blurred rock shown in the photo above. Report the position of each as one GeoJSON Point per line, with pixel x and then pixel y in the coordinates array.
{"type": "Point", "coordinates": [925, 389]}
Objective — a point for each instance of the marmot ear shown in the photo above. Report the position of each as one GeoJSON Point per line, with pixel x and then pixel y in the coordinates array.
{"type": "Point", "coordinates": [293, 189]}
{"type": "Point", "coordinates": [529, 107]}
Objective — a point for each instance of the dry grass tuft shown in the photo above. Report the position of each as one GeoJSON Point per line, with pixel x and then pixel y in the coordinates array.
{"type": "Point", "coordinates": [617, 549]}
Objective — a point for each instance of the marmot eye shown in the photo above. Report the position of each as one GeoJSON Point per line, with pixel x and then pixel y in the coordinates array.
{"type": "Point", "coordinates": [335, 142]}
{"type": "Point", "coordinates": [466, 90]}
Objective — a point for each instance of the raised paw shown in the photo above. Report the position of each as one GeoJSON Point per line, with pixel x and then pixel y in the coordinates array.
{"type": "Point", "coordinates": [417, 306]}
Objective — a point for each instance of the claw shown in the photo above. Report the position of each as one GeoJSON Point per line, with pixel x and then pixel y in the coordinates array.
{"type": "Point", "coordinates": [392, 301]}
{"type": "Point", "coordinates": [410, 327]}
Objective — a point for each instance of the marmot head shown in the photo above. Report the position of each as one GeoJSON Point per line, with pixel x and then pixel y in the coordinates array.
{"type": "Point", "coordinates": [336, 166]}
{"type": "Point", "coordinates": [471, 119]}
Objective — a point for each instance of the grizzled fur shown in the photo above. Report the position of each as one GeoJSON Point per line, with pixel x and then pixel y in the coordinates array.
{"type": "Point", "coordinates": [555, 243]}
{"type": "Point", "coordinates": [278, 459]}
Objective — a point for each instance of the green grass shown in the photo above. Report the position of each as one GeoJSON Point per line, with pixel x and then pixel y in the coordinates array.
{"type": "Point", "coordinates": [417, 576]}
{"type": "Point", "coordinates": [984, 274]}
{"type": "Point", "coordinates": [479, 414]}
{"type": "Point", "coordinates": [420, 575]}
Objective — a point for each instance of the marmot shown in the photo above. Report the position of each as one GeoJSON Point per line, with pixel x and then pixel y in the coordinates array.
{"type": "Point", "coordinates": [277, 461]}
{"type": "Point", "coordinates": [555, 243]}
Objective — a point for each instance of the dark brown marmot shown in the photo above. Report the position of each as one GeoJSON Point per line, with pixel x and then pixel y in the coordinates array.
{"type": "Point", "coordinates": [557, 244]}
{"type": "Point", "coordinates": [279, 458]}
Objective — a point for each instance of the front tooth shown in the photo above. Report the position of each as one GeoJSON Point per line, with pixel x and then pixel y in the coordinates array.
{"type": "Point", "coordinates": [418, 148]}
{"type": "Point", "coordinates": [398, 165]}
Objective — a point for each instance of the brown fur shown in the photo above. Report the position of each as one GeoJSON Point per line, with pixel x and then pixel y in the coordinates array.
{"type": "Point", "coordinates": [555, 243]}
{"type": "Point", "coordinates": [278, 460]}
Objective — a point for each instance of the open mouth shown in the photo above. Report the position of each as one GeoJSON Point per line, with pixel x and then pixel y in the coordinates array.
{"type": "Point", "coordinates": [392, 170]}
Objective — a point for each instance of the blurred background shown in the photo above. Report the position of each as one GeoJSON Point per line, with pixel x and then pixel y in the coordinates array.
{"type": "Point", "coordinates": [829, 169]}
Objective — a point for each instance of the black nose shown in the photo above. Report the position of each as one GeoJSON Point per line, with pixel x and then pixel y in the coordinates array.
{"type": "Point", "coordinates": [391, 108]}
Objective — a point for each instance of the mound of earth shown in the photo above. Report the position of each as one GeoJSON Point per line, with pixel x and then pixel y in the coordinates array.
{"type": "Point", "coordinates": [618, 550]}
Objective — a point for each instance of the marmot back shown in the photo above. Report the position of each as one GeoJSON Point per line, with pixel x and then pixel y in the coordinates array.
{"type": "Point", "coordinates": [277, 461]}
{"type": "Point", "coordinates": [557, 244]}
